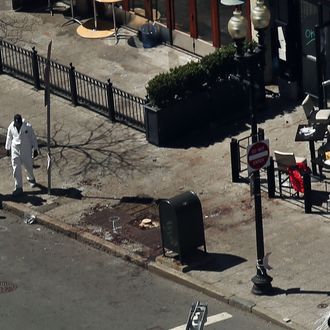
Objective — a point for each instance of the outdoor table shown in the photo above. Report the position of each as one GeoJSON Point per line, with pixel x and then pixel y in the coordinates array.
{"type": "Point", "coordinates": [72, 18]}
{"type": "Point", "coordinates": [318, 135]}
{"type": "Point", "coordinates": [99, 29]}
{"type": "Point", "coordinates": [112, 2]}
{"type": "Point", "coordinates": [320, 160]}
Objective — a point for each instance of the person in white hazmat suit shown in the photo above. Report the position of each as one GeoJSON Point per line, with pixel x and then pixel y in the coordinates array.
{"type": "Point", "coordinates": [21, 142]}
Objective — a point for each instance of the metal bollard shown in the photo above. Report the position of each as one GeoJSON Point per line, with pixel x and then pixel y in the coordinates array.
{"type": "Point", "coordinates": [271, 178]}
{"type": "Point", "coordinates": [111, 105]}
{"type": "Point", "coordinates": [307, 192]}
{"type": "Point", "coordinates": [35, 69]}
{"type": "Point", "coordinates": [235, 159]}
{"type": "Point", "coordinates": [73, 85]}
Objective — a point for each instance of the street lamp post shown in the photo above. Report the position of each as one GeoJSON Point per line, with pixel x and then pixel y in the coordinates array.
{"type": "Point", "coordinates": [237, 28]}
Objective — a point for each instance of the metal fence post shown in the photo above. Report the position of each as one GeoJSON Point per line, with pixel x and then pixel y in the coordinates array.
{"type": "Point", "coordinates": [1, 65]}
{"type": "Point", "coordinates": [235, 159]}
{"type": "Point", "coordinates": [73, 85]}
{"type": "Point", "coordinates": [307, 192]}
{"type": "Point", "coordinates": [35, 69]}
{"type": "Point", "coordinates": [111, 105]}
{"type": "Point", "coordinates": [261, 134]}
{"type": "Point", "coordinates": [271, 178]}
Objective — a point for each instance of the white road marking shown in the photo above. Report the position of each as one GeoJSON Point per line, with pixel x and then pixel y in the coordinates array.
{"type": "Point", "coordinates": [210, 320]}
{"type": "Point", "coordinates": [259, 155]}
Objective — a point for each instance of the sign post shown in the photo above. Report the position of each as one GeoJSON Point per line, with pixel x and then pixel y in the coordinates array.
{"type": "Point", "coordinates": [258, 155]}
{"type": "Point", "coordinates": [47, 104]}
{"type": "Point", "coordinates": [257, 158]}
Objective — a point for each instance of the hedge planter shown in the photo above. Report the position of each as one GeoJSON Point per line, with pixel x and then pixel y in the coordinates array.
{"type": "Point", "coordinates": [165, 125]}
{"type": "Point", "coordinates": [226, 103]}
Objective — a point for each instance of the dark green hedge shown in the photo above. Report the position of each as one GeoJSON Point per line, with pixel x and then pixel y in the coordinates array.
{"type": "Point", "coordinates": [194, 77]}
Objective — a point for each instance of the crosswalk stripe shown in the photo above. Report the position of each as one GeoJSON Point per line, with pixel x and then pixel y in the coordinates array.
{"type": "Point", "coordinates": [210, 320]}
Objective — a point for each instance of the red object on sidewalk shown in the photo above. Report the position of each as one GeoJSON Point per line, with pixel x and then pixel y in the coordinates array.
{"type": "Point", "coordinates": [295, 176]}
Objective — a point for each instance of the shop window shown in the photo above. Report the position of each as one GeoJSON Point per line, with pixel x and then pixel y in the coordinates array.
{"type": "Point", "coordinates": [159, 11]}
{"type": "Point", "coordinates": [225, 13]}
{"type": "Point", "coordinates": [137, 6]}
{"type": "Point", "coordinates": [282, 11]}
{"type": "Point", "coordinates": [309, 18]}
{"type": "Point", "coordinates": [181, 14]}
{"type": "Point", "coordinates": [204, 19]}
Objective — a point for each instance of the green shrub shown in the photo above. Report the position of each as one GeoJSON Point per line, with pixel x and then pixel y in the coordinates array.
{"type": "Point", "coordinates": [177, 84]}
{"type": "Point", "coordinates": [183, 81]}
{"type": "Point", "coordinates": [219, 64]}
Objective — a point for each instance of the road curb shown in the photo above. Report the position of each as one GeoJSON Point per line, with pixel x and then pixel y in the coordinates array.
{"type": "Point", "coordinates": [273, 317]}
{"type": "Point", "coordinates": [231, 299]}
{"type": "Point", "coordinates": [76, 233]}
{"type": "Point", "coordinates": [156, 267]}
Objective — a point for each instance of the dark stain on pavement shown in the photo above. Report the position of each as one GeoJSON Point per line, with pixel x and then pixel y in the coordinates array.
{"type": "Point", "coordinates": [130, 214]}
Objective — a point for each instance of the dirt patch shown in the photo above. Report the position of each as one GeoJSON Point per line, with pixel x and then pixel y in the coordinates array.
{"type": "Point", "coordinates": [99, 222]}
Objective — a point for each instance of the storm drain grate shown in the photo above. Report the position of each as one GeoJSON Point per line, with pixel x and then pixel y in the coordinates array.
{"type": "Point", "coordinates": [6, 287]}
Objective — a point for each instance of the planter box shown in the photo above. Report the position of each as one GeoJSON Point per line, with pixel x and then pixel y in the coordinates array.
{"type": "Point", "coordinates": [165, 125]}
{"type": "Point", "coordinates": [225, 104]}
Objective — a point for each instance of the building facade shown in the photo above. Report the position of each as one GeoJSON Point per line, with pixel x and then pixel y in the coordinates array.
{"type": "Point", "coordinates": [197, 26]}
{"type": "Point", "coordinates": [301, 45]}
{"type": "Point", "coordinates": [296, 56]}
{"type": "Point", "coordinates": [297, 41]}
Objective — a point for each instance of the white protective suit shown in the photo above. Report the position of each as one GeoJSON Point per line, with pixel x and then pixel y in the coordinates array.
{"type": "Point", "coordinates": [21, 144]}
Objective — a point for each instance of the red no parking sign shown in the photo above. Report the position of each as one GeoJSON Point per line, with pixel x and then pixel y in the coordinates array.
{"type": "Point", "coordinates": [258, 155]}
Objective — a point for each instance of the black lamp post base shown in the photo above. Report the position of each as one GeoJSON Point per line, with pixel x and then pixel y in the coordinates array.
{"type": "Point", "coordinates": [262, 285]}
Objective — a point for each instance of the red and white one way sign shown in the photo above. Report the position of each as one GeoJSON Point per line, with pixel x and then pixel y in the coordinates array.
{"type": "Point", "coordinates": [258, 155]}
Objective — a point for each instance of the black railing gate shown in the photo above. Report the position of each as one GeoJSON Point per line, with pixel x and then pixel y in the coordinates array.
{"type": "Point", "coordinates": [66, 82]}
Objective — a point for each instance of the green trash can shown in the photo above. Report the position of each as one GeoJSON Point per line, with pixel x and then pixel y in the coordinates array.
{"type": "Point", "coordinates": [181, 224]}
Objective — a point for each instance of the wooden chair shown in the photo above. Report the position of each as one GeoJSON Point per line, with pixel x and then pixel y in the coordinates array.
{"type": "Point", "coordinates": [313, 114]}
{"type": "Point", "coordinates": [286, 160]}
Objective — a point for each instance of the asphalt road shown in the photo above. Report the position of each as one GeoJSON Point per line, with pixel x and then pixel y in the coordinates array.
{"type": "Point", "coordinates": [49, 281]}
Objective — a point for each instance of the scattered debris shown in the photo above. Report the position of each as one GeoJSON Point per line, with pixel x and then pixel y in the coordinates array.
{"type": "Point", "coordinates": [97, 230]}
{"type": "Point", "coordinates": [116, 225]}
{"type": "Point", "coordinates": [108, 237]}
{"type": "Point", "coordinates": [3, 228]}
{"type": "Point", "coordinates": [148, 223]}
{"type": "Point", "coordinates": [266, 261]}
{"type": "Point", "coordinates": [322, 305]}
{"type": "Point", "coordinates": [6, 287]}
{"type": "Point", "coordinates": [30, 219]}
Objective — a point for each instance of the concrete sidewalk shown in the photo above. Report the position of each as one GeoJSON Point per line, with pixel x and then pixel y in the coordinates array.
{"type": "Point", "coordinates": [103, 162]}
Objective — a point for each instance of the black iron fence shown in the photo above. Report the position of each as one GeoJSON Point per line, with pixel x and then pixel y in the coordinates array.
{"type": "Point", "coordinates": [80, 89]}
{"type": "Point", "coordinates": [315, 198]}
{"type": "Point", "coordinates": [238, 154]}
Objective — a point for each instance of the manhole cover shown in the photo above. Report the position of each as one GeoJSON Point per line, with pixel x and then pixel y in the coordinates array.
{"type": "Point", "coordinates": [6, 287]}
{"type": "Point", "coordinates": [322, 305]}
